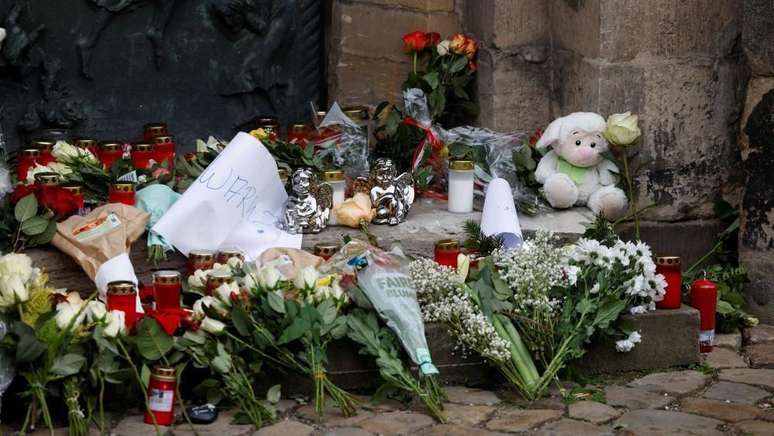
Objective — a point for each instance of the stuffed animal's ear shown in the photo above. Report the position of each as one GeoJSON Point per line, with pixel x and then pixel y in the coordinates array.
{"type": "Point", "coordinates": [552, 134]}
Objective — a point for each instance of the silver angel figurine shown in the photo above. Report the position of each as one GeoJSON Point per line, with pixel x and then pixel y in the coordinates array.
{"type": "Point", "coordinates": [391, 195]}
{"type": "Point", "coordinates": [309, 204]}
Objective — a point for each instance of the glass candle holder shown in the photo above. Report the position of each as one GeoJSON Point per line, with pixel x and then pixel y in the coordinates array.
{"type": "Point", "coordinates": [326, 249]}
{"type": "Point", "coordinates": [122, 295]}
{"type": "Point", "coordinates": [670, 268]}
{"type": "Point", "coordinates": [142, 153]}
{"type": "Point", "coordinates": [87, 144]}
{"type": "Point", "coordinates": [200, 259]}
{"type": "Point", "coordinates": [216, 279]}
{"type": "Point", "coordinates": [77, 193]}
{"type": "Point", "coordinates": [446, 252]}
{"type": "Point", "coordinates": [335, 178]}
{"type": "Point", "coordinates": [109, 152]}
{"type": "Point", "coordinates": [270, 125]}
{"type": "Point", "coordinates": [166, 289]}
{"type": "Point", "coordinates": [460, 186]}
{"type": "Point", "coordinates": [27, 159]}
{"type": "Point", "coordinates": [283, 176]}
{"type": "Point", "coordinates": [152, 130]}
{"type": "Point", "coordinates": [299, 133]}
{"type": "Point", "coordinates": [224, 254]}
{"type": "Point", "coordinates": [361, 115]}
{"type": "Point", "coordinates": [45, 146]}
{"type": "Point", "coordinates": [122, 192]}
{"type": "Point", "coordinates": [162, 388]}
{"type": "Point", "coordinates": [164, 149]}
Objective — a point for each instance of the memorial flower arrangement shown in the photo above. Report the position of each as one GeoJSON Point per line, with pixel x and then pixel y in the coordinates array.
{"type": "Point", "coordinates": [532, 310]}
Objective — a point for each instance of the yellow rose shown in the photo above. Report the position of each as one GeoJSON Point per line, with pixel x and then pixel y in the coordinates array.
{"type": "Point", "coordinates": [260, 134]}
{"type": "Point", "coordinates": [622, 129]}
{"type": "Point", "coordinates": [354, 210]}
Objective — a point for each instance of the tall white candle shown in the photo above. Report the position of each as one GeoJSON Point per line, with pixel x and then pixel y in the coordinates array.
{"type": "Point", "coordinates": [461, 186]}
{"type": "Point", "coordinates": [335, 178]}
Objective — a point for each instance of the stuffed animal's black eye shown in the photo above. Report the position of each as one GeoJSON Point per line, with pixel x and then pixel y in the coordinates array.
{"type": "Point", "coordinates": [593, 144]}
{"type": "Point", "coordinates": [577, 142]}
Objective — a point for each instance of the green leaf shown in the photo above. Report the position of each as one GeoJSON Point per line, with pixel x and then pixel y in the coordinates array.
{"type": "Point", "coordinates": [241, 319]}
{"type": "Point", "coordinates": [431, 79]}
{"type": "Point", "coordinates": [724, 308]}
{"type": "Point", "coordinates": [145, 374]}
{"type": "Point", "coordinates": [151, 340]}
{"type": "Point", "coordinates": [68, 364]}
{"type": "Point", "coordinates": [34, 226]}
{"type": "Point", "coordinates": [327, 311]}
{"type": "Point", "coordinates": [459, 64]}
{"type": "Point", "coordinates": [26, 208]}
{"type": "Point", "coordinates": [29, 347]}
{"type": "Point", "coordinates": [276, 302]}
{"type": "Point", "coordinates": [274, 394]}
{"type": "Point", "coordinates": [45, 237]}
{"type": "Point", "coordinates": [461, 93]}
{"type": "Point", "coordinates": [295, 330]}
{"type": "Point", "coordinates": [102, 342]}
{"type": "Point", "coordinates": [608, 313]}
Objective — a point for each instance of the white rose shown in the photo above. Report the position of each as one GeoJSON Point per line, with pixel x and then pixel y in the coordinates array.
{"type": "Point", "coordinates": [198, 279]}
{"type": "Point", "coordinates": [95, 311]}
{"type": "Point", "coordinates": [60, 168]}
{"type": "Point", "coordinates": [337, 292]}
{"type": "Point", "coordinates": [212, 326]}
{"type": "Point", "coordinates": [66, 312]}
{"type": "Point", "coordinates": [12, 290]}
{"type": "Point", "coordinates": [198, 309]}
{"type": "Point", "coordinates": [268, 277]}
{"type": "Point", "coordinates": [224, 291]}
{"type": "Point", "coordinates": [37, 169]}
{"type": "Point", "coordinates": [306, 278]}
{"type": "Point", "coordinates": [248, 281]}
{"type": "Point", "coordinates": [213, 303]}
{"type": "Point", "coordinates": [115, 324]}
{"type": "Point", "coordinates": [64, 152]}
{"type": "Point", "coordinates": [235, 263]}
{"type": "Point", "coordinates": [622, 129]}
{"type": "Point", "coordinates": [463, 266]}
{"type": "Point", "coordinates": [443, 47]}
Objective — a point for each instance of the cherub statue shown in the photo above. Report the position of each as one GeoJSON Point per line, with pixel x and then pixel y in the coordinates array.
{"type": "Point", "coordinates": [309, 204]}
{"type": "Point", "coordinates": [391, 195]}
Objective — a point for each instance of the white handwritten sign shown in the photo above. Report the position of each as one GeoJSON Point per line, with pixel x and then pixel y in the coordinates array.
{"type": "Point", "coordinates": [236, 203]}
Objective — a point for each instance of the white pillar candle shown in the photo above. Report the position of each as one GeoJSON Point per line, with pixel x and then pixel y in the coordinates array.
{"type": "Point", "coordinates": [461, 186]}
{"type": "Point", "coordinates": [335, 178]}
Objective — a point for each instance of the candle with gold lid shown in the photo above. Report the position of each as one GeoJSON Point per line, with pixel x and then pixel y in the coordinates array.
{"type": "Point", "coordinates": [87, 144]}
{"type": "Point", "coordinates": [28, 158]}
{"type": "Point", "coordinates": [162, 389]}
{"type": "Point", "coordinates": [326, 249]}
{"type": "Point", "coordinates": [270, 125]}
{"type": "Point", "coordinates": [77, 191]}
{"type": "Point", "coordinates": [110, 151]}
{"type": "Point", "coordinates": [224, 254]}
{"type": "Point", "coordinates": [152, 130]}
{"type": "Point", "coordinates": [670, 268]}
{"type": "Point", "coordinates": [200, 259]}
{"type": "Point", "coordinates": [122, 192]}
{"type": "Point", "coordinates": [142, 153]}
{"type": "Point", "coordinates": [165, 149]}
{"type": "Point", "coordinates": [47, 179]}
{"type": "Point", "coordinates": [335, 178]}
{"type": "Point", "coordinates": [166, 289]}
{"type": "Point", "coordinates": [299, 133]}
{"type": "Point", "coordinates": [122, 295]}
{"type": "Point", "coordinates": [446, 252]}
{"type": "Point", "coordinates": [44, 145]}
{"type": "Point", "coordinates": [217, 278]}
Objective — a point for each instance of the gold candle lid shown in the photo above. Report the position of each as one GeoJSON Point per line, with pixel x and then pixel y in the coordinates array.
{"type": "Point", "coordinates": [85, 142]}
{"type": "Point", "coordinates": [299, 127]}
{"type": "Point", "coordinates": [461, 165]}
{"type": "Point", "coordinates": [163, 140]}
{"type": "Point", "coordinates": [332, 176]}
{"type": "Point", "coordinates": [201, 255]}
{"type": "Point", "coordinates": [326, 249]}
{"type": "Point", "coordinates": [164, 373]}
{"type": "Point", "coordinates": [42, 144]}
{"type": "Point", "coordinates": [447, 245]}
{"type": "Point", "coordinates": [142, 146]}
{"type": "Point", "coordinates": [357, 112]}
{"type": "Point", "coordinates": [121, 287]}
{"type": "Point", "coordinates": [30, 152]}
{"type": "Point", "coordinates": [123, 187]}
{"type": "Point", "coordinates": [282, 173]}
{"type": "Point", "coordinates": [668, 260]}
{"type": "Point", "coordinates": [218, 278]}
{"type": "Point", "coordinates": [155, 127]}
{"type": "Point", "coordinates": [266, 121]}
{"type": "Point", "coordinates": [224, 254]}
{"type": "Point", "coordinates": [47, 179]}
{"type": "Point", "coordinates": [73, 188]}
{"type": "Point", "coordinates": [111, 145]}
{"type": "Point", "coordinates": [168, 277]}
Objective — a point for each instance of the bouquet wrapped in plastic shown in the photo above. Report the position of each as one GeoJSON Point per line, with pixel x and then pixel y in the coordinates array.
{"type": "Point", "coordinates": [342, 142]}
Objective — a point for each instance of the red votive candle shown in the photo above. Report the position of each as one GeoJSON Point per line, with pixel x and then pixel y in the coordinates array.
{"type": "Point", "coordinates": [164, 150]}
{"type": "Point", "coordinates": [122, 192]}
{"type": "Point", "coordinates": [200, 259]}
{"type": "Point", "coordinates": [670, 268]}
{"type": "Point", "coordinates": [326, 250]}
{"type": "Point", "coordinates": [142, 153]}
{"type": "Point", "coordinates": [298, 133]}
{"type": "Point", "coordinates": [45, 146]}
{"type": "Point", "coordinates": [27, 159]}
{"type": "Point", "coordinates": [270, 125]}
{"type": "Point", "coordinates": [122, 295]}
{"type": "Point", "coordinates": [216, 279]}
{"type": "Point", "coordinates": [224, 254]}
{"type": "Point", "coordinates": [77, 193]}
{"type": "Point", "coordinates": [109, 152]}
{"type": "Point", "coordinates": [87, 144]}
{"type": "Point", "coordinates": [153, 130]}
{"type": "Point", "coordinates": [704, 298]}
{"type": "Point", "coordinates": [446, 252]}
{"type": "Point", "coordinates": [166, 289]}
{"type": "Point", "coordinates": [162, 386]}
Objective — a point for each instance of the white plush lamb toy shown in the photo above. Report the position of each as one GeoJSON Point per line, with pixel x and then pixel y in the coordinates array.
{"type": "Point", "coordinates": [574, 172]}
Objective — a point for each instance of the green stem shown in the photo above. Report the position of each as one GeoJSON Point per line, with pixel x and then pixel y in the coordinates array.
{"type": "Point", "coordinates": [630, 187]}
{"type": "Point", "coordinates": [415, 72]}
{"type": "Point", "coordinates": [139, 383]}
{"type": "Point", "coordinates": [705, 257]}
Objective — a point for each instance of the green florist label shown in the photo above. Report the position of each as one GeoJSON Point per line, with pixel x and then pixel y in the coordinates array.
{"type": "Point", "coordinates": [395, 285]}
{"type": "Point", "coordinates": [96, 228]}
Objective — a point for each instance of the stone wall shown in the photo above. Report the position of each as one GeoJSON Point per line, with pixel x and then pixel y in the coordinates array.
{"type": "Point", "coordinates": [366, 64]}
{"type": "Point", "coordinates": [756, 141]}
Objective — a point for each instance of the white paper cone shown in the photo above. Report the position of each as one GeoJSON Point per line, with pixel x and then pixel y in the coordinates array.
{"type": "Point", "coordinates": [118, 268]}
{"type": "Point", "coordinates": [500, 216]}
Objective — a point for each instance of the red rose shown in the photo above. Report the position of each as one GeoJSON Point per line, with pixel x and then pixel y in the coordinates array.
{"type": "Point", "coordinates": [472, 65]}
{"type": "Point", "coordinates": [433, 38]}
{"type": "Point", "coordinates": [535, 137]}
{"type": "Point", "coordinates": [414, 42]}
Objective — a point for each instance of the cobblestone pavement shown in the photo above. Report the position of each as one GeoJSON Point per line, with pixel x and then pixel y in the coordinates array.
{"type": "Point", "coordinates": [724, 396]}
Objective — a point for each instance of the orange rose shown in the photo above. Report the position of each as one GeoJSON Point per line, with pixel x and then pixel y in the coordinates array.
{"type": "Point", "coordinates": [463, 45]}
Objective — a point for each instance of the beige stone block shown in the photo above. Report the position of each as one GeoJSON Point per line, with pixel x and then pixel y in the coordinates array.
{"type": "Point", "coordinates": [756, 88]}
{"type": "Point", "coordinates": [668, 28]}
{"type": "Point", "coordinates": [369, 30]}
{"type": "Point", "coordinates": [368, 81]}
{"type": "Point", "coordinates": [507, 24]}
{"type": "Point", "coordinates": [418, 5]}
{"type": "Point", "coordinates": [574, 25]}
{"type": "Point", "coordinates": [757, 37]}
